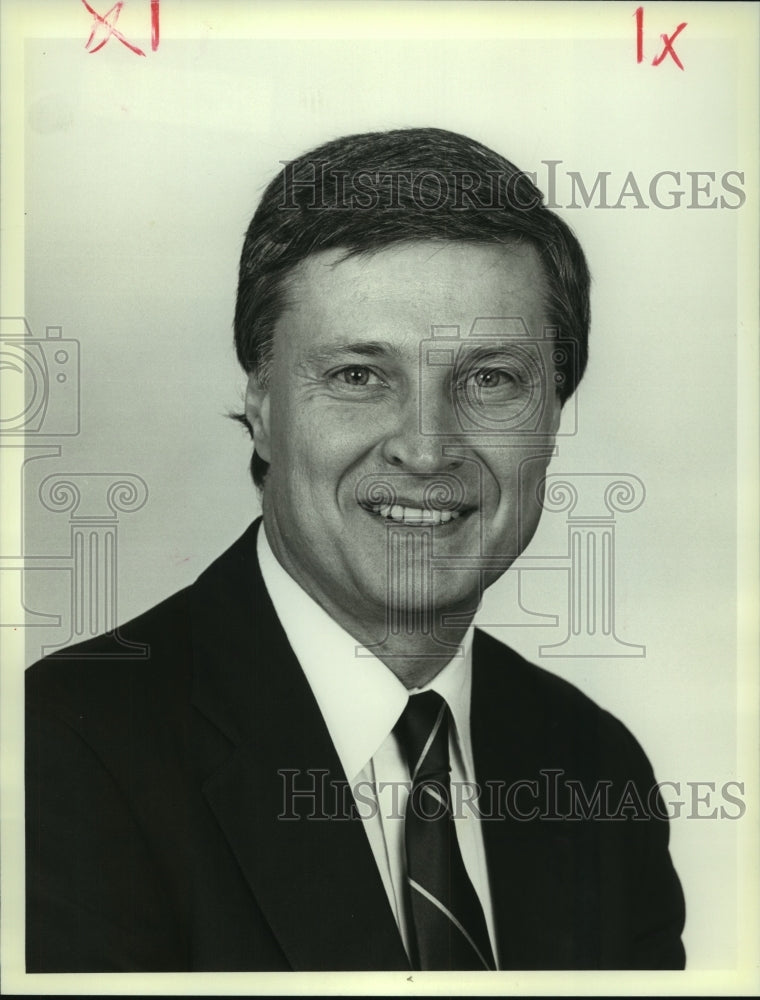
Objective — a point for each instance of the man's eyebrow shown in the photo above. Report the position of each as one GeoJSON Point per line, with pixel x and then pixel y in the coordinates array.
{"type": "Point", "coordinates": [494, 345]}
{"type": "Point", "coordinates": [363, 348]}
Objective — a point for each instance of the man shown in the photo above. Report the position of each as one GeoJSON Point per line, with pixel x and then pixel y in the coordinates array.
{"type": "Point", "coordinates": [319, 764]}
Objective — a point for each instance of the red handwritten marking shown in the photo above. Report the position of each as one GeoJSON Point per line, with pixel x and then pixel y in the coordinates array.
{"type": "Point", "coordinates": [668, 47]}
{"type": "Point", "coordinates": [668, 41]}
{"type": "Point", "coordinates": [154, 32]}
{"type": "Point", "coordinates": [110, 26]}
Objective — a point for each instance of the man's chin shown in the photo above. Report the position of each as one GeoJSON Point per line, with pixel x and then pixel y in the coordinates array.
{"type": "Point", "coordinates": [423, 610]}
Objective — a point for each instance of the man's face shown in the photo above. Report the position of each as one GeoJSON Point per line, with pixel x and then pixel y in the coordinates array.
{"type": "Point", "coordinates": [403, 471]}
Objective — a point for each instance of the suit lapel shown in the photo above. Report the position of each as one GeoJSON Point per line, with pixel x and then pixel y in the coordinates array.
{"type": "Point", "coordinates": [315, 879]}
{"type": "Point", "coordinates": [529, 862]}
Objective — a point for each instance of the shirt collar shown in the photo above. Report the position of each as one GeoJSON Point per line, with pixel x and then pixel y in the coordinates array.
{"type": "Point", "coordinates": [359, 697]}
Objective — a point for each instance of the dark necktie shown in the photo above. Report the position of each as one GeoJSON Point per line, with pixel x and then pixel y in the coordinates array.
{"type": "Point", "coordinates": [447, 928]}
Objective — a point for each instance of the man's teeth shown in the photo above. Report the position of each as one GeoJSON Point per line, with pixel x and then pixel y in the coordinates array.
{"type": "Point", "coordinates": [415, 515]}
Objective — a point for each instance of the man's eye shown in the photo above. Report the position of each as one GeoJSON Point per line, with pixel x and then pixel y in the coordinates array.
{"type": "Point", "coordinates": [492, 378]}
{"type": "Point", "coordinates": [485, 379]}
{"type": "Point", "coordinates": [356, 375]}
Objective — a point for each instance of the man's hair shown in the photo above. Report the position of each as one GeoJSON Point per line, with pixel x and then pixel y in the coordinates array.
{"type": "Point", "coordinates": [365, 192]}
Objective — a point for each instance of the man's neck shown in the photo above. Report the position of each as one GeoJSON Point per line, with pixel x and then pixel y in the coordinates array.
{"type": "Point", "coordinates": [417, 659]}
{"type": "Point", "coordinates": [416, 652]}
{"type": "Point", "coordinates": [414, 645]}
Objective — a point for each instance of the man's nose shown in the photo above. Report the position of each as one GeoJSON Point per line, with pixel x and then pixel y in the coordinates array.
{"type": "Point", "coordinates": [439, 447]}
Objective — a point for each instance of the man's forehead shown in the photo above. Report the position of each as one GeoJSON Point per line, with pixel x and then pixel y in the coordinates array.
{"type": "Point", "coordinates": [439, 282]}
{"type": "Point", "coordinates": [481, 257]}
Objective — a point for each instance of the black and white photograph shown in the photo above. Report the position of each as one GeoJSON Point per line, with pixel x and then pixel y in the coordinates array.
{"type": "Point", "coordinates": [379, 445]}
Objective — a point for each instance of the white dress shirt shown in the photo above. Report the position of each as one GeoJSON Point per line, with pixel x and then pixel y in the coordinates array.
{"type": "Point", "coordinates": [361, 700]}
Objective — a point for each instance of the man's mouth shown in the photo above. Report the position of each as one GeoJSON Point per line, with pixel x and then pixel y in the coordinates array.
{"type": "Point", "coordinates": [415, 516]}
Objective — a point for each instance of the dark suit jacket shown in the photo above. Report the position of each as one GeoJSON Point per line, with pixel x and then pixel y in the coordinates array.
{"type": "Point", "coordinates": [153, 796]}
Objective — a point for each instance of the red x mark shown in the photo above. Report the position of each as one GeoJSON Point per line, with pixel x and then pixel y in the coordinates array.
{"type": "Point", "coordinates": [668, 47]}
{"type": "Point", "coordinates": [110, 27]}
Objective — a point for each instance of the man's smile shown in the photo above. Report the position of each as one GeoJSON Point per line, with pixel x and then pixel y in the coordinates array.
{"type": "Point", "coordinates": [415, 514]}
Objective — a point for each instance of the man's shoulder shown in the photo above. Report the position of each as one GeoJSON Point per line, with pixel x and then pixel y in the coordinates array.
{"type": "Point", "coordinates": [154, 650]}
{"type": "Point", "coordinates": [550, 711]}
{"type": "Point", "coordinates": [126, 641]}
{"type": "Point", "coordinates": [136, 662]}
{"type": "Point", "coordinates": [505, 667]}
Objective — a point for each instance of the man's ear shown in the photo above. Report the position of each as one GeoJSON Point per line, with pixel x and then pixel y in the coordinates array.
{"type": "Point", "coordinates": [257, 412]}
